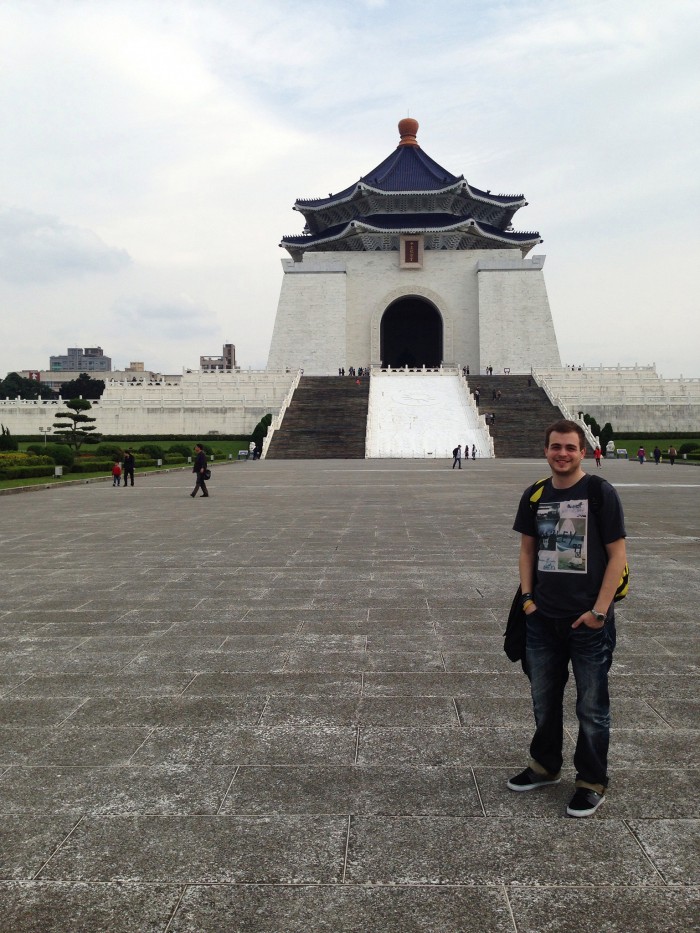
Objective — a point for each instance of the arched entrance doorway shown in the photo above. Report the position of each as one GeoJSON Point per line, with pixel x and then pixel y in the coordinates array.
{"type": "Point", "coordinates": [411, 334]}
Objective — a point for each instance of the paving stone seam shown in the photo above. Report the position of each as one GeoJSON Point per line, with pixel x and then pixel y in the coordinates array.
{"type": "Point", "coordinates": [58, 847]}
{"type": "Point", "coordinates": [176, 909]}
{"type": "Point", "coordinates": [226, 792]}
{"type": "Point", "coordinates": [645, 854]}
{"type": "Point", "coordinates": [347, 849]}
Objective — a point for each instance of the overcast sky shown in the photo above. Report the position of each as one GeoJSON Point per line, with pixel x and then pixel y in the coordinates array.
{"type": "Point", "coordinates": [151, 153]}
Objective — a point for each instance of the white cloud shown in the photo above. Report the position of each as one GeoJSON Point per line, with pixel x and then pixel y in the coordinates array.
{"type": "Point", "coordinates": [43, 249]}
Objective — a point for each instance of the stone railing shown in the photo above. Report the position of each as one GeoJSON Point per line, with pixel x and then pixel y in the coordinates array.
{"type": "Point", "coordinates": [557, 401]}
{"type": "Point", "coordinates": [277, 420]}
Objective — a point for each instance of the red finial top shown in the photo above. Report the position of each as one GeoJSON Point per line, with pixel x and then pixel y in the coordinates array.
{"type": "Point", "coordinates": [408, 128]}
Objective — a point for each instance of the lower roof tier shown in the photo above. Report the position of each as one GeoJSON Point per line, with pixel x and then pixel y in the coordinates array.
{"type": "Point", "coordinates": [383, 232]}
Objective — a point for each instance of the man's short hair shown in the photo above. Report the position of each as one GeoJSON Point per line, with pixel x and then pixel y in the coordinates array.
{"type": "Point", "coordinates": [564, 426]}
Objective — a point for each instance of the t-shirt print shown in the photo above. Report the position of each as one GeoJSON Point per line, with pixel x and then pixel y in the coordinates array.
{"type": "Point", "coordinates": [562, 536]}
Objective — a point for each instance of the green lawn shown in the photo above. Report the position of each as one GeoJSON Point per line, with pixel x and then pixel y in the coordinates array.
{"type": "Point", "coordinates": [632, 446]}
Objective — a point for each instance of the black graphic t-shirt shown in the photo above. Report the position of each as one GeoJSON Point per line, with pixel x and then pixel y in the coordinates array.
{"type": "Point", "coordinates": [571, 539]}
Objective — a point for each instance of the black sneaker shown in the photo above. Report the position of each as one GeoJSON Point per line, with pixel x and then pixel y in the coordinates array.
{"type": "Point", "coordinates": [584, 802]}
{"type": "Point", "coordinates": [531, 780]}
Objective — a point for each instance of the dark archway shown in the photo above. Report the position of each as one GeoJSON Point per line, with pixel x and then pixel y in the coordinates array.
{"type": "Point", "coordinates": [411, 334]}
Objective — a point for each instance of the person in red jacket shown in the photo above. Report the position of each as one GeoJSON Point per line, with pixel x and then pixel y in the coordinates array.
{"type": "Point", "coordinates": [116, 474]}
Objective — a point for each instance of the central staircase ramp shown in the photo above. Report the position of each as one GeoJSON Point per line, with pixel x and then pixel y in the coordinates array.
{"type": "Point", "coordinates": [423, 414]}
{"type": "Point", "coordinates": [326, 419]}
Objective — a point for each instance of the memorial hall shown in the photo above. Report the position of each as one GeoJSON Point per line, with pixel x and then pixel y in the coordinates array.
{"type": "Point", "coordinates": [410, 304]}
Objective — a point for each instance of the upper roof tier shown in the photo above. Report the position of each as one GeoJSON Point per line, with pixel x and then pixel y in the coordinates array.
{"type": "Point", "coordinates": [406, 184]}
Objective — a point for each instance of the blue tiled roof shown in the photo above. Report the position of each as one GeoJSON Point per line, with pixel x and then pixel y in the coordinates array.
{"type": "Point", "coordinates": [408, 223]}
{"type": "Point", "coordinates": [408, 169]}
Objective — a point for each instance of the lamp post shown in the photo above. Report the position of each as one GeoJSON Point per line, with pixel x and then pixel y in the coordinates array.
{"type": "Point", "coordinates": [44, 431]}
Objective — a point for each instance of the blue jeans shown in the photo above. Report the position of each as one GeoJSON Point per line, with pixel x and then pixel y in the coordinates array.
{"type": "Point", "coordinates": [551, 645]}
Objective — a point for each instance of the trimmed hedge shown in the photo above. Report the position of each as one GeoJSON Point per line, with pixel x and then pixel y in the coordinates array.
{"type": "Point", "coordinates": [25, 472]}
{"type": "Point", "coordinates": [102, 466]}
{"type": "Point", "coordinates": [14, 459]}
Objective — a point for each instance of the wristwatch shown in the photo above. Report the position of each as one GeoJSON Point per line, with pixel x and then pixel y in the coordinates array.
{"type": "Point", "coordinates": [599, 616]}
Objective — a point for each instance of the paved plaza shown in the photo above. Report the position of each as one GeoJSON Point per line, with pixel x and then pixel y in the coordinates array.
{"type": "Point", "coordinates": [288, 709]}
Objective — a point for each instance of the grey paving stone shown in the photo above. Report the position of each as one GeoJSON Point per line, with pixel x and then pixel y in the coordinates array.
{"type": "Point", "coordinates": [167, 711]}
{"type": "Point", "coordinates": [680, 714]}
{"type": "Point", "coordinates": [197, 660]}
{"type": "Point", "coordinates": [655, 748]}
{"type": "Point", "coordinates": [497, 746]}
{"type": "Point", "coordinates": [114, 790]}
{"type": "Point", "coordinates": [349, 909]}
{"type": "Point", "coordinates": [27, 841]}
{"type": "Point", "coordinates": [511, 685]}
{"type": "Point", "coordinates": [447, 850]}
{"type": "Point", "coordinates": [351, 542]}
{"type": "Point", "coordinates": [605, 910]}
{"type": "Point", "coordinates": [653, 686]}
{"type": "Point", "coordinates": [391, 711]}
{"type": "Point", "coordinates": [54, 907]}
{"type": "Point", "coordinates": [344, 790]}
{"type": "Point", "coordinates": [250, 745]}
{"type": "Point", "coordinates": [75, 747]}
{"type": "Point", "coordinates": [673, 846]}
{"type": "Point", "coordinates": [125, 683]}
{"type": "Point", "coordinates": [9, 682]}
{"type": "Point", "coordinates": [32, 712]}
{"type": "Point", "coordinates": [19, 745]}
{"type": "Point", "coordinates": [277, 684]}
{"type": "Point", "coordinates": [205, 849]}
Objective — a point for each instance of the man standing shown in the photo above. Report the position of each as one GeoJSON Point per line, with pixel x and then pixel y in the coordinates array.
{"type": "Point", "coordinates": [129, 464]}
{"type": "Point", "coordinates": [572, 555]}
{"type": "Point", "coordinates": [199, 469]}
{"type": "Point", "coordinates": [457, 454]}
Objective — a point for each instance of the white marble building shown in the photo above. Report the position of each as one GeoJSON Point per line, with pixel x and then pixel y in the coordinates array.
{"type": "Point", "coordinates": [412, 265]}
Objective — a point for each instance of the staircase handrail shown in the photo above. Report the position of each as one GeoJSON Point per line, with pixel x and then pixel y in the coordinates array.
{"type": "Point", "coordinates": [470, 402]}
{"type": "Point", "coordinates": [279, 417]}
{"type": "Point", "coordinates": [563, 408]}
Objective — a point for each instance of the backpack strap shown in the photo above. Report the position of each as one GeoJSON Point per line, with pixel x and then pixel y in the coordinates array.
{"type": "Point", "coordinates": [535, 493]}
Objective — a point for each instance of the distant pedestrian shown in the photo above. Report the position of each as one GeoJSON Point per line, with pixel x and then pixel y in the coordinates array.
{"type": "Point", "coordinates": [200, 470]}
{"type": "Point", "coordinates": [672, 454]}
{"type": "Point", "coordinates": [477, 396]}
{"type": "Point", "coordinates": [473, 451]}
{"type": "Point", "coordinates": [657, 455]}
{"type": "Point", "coordinates": [641, 455]}
{"type": "Point", "coordinates": [129, 464]}
{"type": "Point", "coordinates": [457, 454]}
{"type": "Point", "coordinates": [117, 474]}
{"type": "Point", "coordinates": [597, 453]}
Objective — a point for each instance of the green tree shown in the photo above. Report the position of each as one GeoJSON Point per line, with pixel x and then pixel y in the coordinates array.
{"type": "Point", "coordinates": [260, 430]}
{"type": "Point", "coordinates": [16, 386]}
{"type": "Point", "coordinates": [76, 425]}
{"type": "Point", "coordinates": [6, 441]}
{"type": "Point", "coordinates": [84, 386]}
{"type": "Point", "coordinates": [606, 435]}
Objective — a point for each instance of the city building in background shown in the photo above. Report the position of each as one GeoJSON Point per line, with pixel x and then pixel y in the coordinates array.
{"type": "Point", "coordinates": [77, 360]}
{"type": "Point", "coordinates": [226, 363]}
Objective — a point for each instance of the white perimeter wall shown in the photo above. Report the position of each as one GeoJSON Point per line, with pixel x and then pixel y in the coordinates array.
{"type": "Point", "coordinates": [414, 414]}
{"type": "Point", "coordinates": [202, 403]}
{"type": "Point", "coordinates": [493, 305]}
